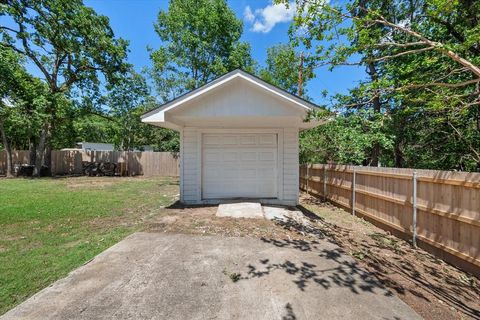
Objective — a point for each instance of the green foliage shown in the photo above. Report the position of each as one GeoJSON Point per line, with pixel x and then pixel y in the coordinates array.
{"type": "Point", "coordinates": [91, 128]}
{"type": "Point", "coordinates": [127, 101]}
{"type": "Point", "coordinates": [72, 46]}
{"type": "Point", "coordinates": [118, 121]}
{"type": "Point", "coordinates": [65, 39]}
{"type": "Point", "coordinates": [283, 64]}
{"type": "Point", "coordinates": [200, 41]}
{"type": "Point", "coordinates": [422, 87]}
{"type": "Point", "coordinates": [344, 139]}
{"type": "Point", "coordinates": [123, 100]}
{"type": "Point", "coordinates": [23, 100]}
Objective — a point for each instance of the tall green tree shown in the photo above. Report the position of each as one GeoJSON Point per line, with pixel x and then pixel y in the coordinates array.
{"type": "Point", "coordinates": [23, 99]}
{"type": "Point", "coordinates": [123, 99]}
{"type": "Point", "coordinates": [200, 40]}
{"type": "Point", "coordinates": [69, 43]}
{"type": "Point", "coordinates": [422, 62]}
{"type": "Point", "coordinates": [126, 102]}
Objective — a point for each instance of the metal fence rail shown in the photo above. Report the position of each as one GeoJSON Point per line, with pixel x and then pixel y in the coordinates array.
{"type": "Point", "coordinates": [438, 210]}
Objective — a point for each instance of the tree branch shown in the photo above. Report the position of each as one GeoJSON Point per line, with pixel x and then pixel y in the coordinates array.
{"type": "Point", "coordinates": [437, 45]}
{"type": "Point", "coordinates": [400, 54]}
{"type": "Point", "coordinates": [326, 63]}
{"type": "Point", "coordinates": [7, 45]}
{"type": "Point", "coordinates": [439, 84]}
{"type": "Point", "coordinates": [454, 33]}
{"type": "Point", "coordinates": [9, 29]}
{"type": "Point", "coordinates": [400, 45]}
{"type": "Point", "coordinates": [32, 55]}
{"type": "Point", "coordinates": [472, 149]}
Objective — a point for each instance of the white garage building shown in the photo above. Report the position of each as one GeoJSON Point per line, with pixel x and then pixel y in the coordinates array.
{"type": "Point", "coordinates": [238, 140]}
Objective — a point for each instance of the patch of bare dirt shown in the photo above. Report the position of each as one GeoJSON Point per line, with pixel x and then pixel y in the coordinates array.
{"type": "Point", "coordinates": [201, 220]}
{"type": "Point", "coordinates": [84, 184]}
{"type": "Point", "coordinates": [12, 238]}
{"type": "Point", "coordinates": [434, 289]}
{"type": "Point", "coordinates": [97, 182]}
{"type": "Point", "coordinates": [73, 244]}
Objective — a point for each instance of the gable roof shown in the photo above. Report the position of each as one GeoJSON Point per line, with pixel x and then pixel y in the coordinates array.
{"type": "Point", "coordinates": [237, 73]}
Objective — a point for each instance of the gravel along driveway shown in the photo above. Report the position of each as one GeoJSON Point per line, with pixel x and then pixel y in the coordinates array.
{"type": "Point", "coordinates": [176, 276]}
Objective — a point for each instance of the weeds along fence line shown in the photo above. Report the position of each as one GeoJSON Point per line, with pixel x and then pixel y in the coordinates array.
{"type": "Point", "coordinates": [69, 162]}
{"type": "Point", "coordinates": [438, 210]}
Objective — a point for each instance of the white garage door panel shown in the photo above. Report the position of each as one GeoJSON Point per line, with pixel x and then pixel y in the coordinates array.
{"type": "Point", "coordinates": [239, 166]}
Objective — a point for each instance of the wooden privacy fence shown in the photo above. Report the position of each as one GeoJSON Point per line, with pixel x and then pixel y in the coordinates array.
{"type": "Point", "coordinates": [439, 210]}
{"type": "Point", "coordinates": [69, 162]}
{"type": "Point", "coordinates": [20, 156]}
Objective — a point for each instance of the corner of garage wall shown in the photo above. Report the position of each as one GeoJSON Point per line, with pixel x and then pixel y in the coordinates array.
{"type": "Point", "coordinates": [181, 166]}
{"type": "Point", "coordinates": [290, 165]}
{"type": "Point", "coordinates": [190, 164]}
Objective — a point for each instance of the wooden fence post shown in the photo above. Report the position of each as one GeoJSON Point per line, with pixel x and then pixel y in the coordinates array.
{"type": "Point", "coordinates": [414, 207]}
{"type": "Point", "coordinates": [354, 174]}
{"type": "Point", "coordinates": [307, 178]}
{"type": "Point", "coordinates": [53, 163]}
{"type": "Point", "coordinates": [325, 182]}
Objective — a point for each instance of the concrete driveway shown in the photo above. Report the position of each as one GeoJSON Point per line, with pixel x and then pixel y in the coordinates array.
{"type": "Point", "coordinates": [162, 276]}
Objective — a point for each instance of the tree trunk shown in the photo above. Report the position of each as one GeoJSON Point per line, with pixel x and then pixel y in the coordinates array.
{"type": "Point", "coordinates": [47, 159]}
{"type": "Point", "coordinates": [399, 159]}
{"type": "Point", "coordinates": [400, 128]}
{"type": "Point", "coordinates": [43, 150]}
{"type": "Point", "coordinates": [374, 157]}
{"type": "Point", "coordinates": [32, 147]}
{"type": "Point", "coordinates": [40, 150]}
{"type": "Point", "coordinates": [8, 151]}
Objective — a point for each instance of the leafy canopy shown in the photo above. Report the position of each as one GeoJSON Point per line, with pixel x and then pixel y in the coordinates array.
{"type": "Point", "coordinates": [67, 41]}
{"type": "Point", "coordinates": [200, 41]}
{"type": "Point", "coordinates": [422, 63]}
{"type": "Point", "coordinates": [283, 65]}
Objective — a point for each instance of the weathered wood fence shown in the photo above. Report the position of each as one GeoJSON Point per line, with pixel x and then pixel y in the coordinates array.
{"type": "Point", "coordinates": [438, 210]}
{"type": "Point", "coordinates": [69, 162]}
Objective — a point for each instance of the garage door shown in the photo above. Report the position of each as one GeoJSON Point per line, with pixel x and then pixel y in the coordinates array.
{"type": "Point", "coordinates": [239, 166]}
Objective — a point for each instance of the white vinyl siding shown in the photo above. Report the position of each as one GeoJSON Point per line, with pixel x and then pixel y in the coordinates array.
{"type": "Point", "coordinates": [191, 166]}
{"type": "Point", "coordinates": [290, 164]}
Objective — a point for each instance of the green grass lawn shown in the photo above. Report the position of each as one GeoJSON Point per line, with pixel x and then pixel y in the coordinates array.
{"type": "Point", "coordinates": [48, 227]}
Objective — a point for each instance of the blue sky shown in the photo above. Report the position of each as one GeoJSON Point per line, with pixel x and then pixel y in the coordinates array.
{"type": "Point", "coordinates": [133, 20]}
{"type": "Point", "coordinates": [264, 25]}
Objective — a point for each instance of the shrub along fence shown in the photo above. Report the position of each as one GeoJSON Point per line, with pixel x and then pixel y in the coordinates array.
{"type": "Point", "coordinates": [438, 210]}
{"type": "Point", "coordinates": [70, 162]}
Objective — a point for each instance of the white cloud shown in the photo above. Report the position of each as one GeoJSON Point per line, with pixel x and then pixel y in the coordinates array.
{"type": "Point", "coordinates": [248, 14]}
{"type": "Point", "coordinates": [264, 19]}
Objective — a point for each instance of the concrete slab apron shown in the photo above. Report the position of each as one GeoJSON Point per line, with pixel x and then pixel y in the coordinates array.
{"type": "Point", "coordinates": [159, 276]}
{"type": "Point", "coordinates": [240, 210]}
